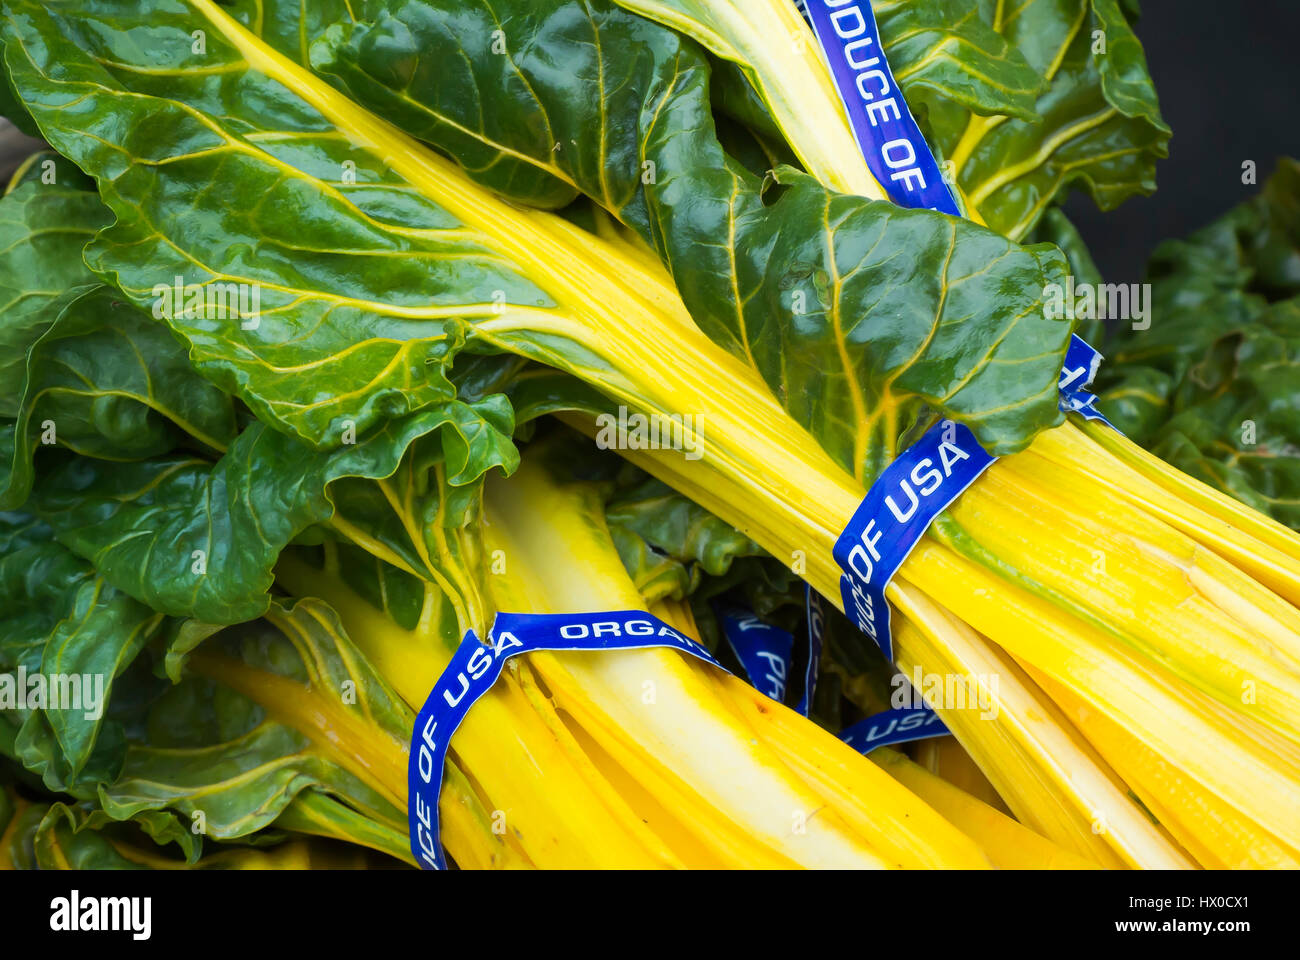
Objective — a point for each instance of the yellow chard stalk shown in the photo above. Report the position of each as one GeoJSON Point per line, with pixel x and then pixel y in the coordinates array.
{"type": "Point", "coordinates": [700, 725]}
{"type": "Point", "coordinates": [516, 761]}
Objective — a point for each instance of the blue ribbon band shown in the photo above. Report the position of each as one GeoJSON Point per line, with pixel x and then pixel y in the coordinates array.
{"type": "Point", "coordinates": [816, 620]}
{"type": "Point", "coordinates": [765, 651]}
{"type": "Point", "coordinates": [476, 665]}
{"type": "Point", "coordinates": [893, 516]}
{"type": "Point", "coordinates": [898, 725]}
{"type": "Point", "coordinates": [887, 133]}
{"type": "Point", "coordinates": [1082, 362]}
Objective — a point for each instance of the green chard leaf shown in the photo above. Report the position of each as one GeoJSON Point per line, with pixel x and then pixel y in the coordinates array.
{"type": "Point", "coordinates": [71, 634]}
{"type": "Point", "coordinates": [63, 836]}
{"type": "Point", "coordinates": [331, 301]}
{"type": "Point", "coordinates": [1212, 386]}
{"type": "Point", "coordinates": [254, 733]}
{"type": "Point", "coordinates": [360, 316]}
{"type": "Point", "coordinates": [1055, 227]}
{"type": "Point", "coordinates": [193, 538]}
{"type": "Point", "coordinates": [1096, 122]}
{"type": "Point", "coordinates": [43, 228]}
{"type": "Point", "coordinates": [19, 819]}
{"type": "Point", "coordinates": [667, 542]}
{"type": "Point", "coordinates": [107, 384]}
{"type": "Point", "coordinates": [948, 51]}
{"type": "Point", "coordinates": [814, 289]}
{"type": "Point", "coordinates": [200, 745]}
{"type": "Point", "coordinates": [107, 381]}
{"type": "Point", "coordinates": [1021, 99]}
{"type": "Point", "coordinates": [80, 837]}
{"type": "Point", "coordinates": [945, 51]}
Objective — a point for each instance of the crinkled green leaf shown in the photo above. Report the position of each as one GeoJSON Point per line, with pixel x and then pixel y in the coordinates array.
{"type": "Point", "coordinates": [1055, 227]}
{"type": "Point", "coordinates": [209, 749]}
{"type": "Point", "coordinates": [196, 539]}
{"type": "Point", "coordinates": [911, 310]}
{"type": "Point", "coordinates": [857, 313]}
{"type": "Point", "coordinates": [43, 228]}
{"type": "Point", "coordinates": [202, 746]}
{"type": "Point", "coordinates": [59, 620]}
{"type": "Point", "coordinates": [1253, 249]}
{"type": "Point", "coordinates": [944, 50]}
{"type": "Point", "coordinates": [18, 829]}
{"type": "Point", "coordinates": [1213, 385]}
{"type": "Point", "coordinates": [543, 122]}
{"type": "Point", "coordinates": [107, 381]}
{"type": "Point", "coordinates": [364, 283]}
{"type": "Point", "coordinates": [37, 581]}
{"type": "Point", "coordinates": [80, 837]}
{"type": "Point", "coordinates": [397, 536]}
{"type": "Point", "coordinates": [102, 633]}
{"type": "Point", "coordinates": [1233, 419]}
{"type": "Point", "coordinates": [668, 542]}
{"type": "Point", "coordinates": [38, 748]}
{"type": "Point", "coordinates": [1096, 123]}
{"type": "Point", "coordinates": [83, 837]}
{"type": "Point", "coordinates": [1203, 289]}
{"type": "Point", "coordinates": [1023, 98]}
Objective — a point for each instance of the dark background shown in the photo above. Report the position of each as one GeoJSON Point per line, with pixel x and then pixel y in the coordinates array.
{"type": "Point", "coordinates": [1228, 76]}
